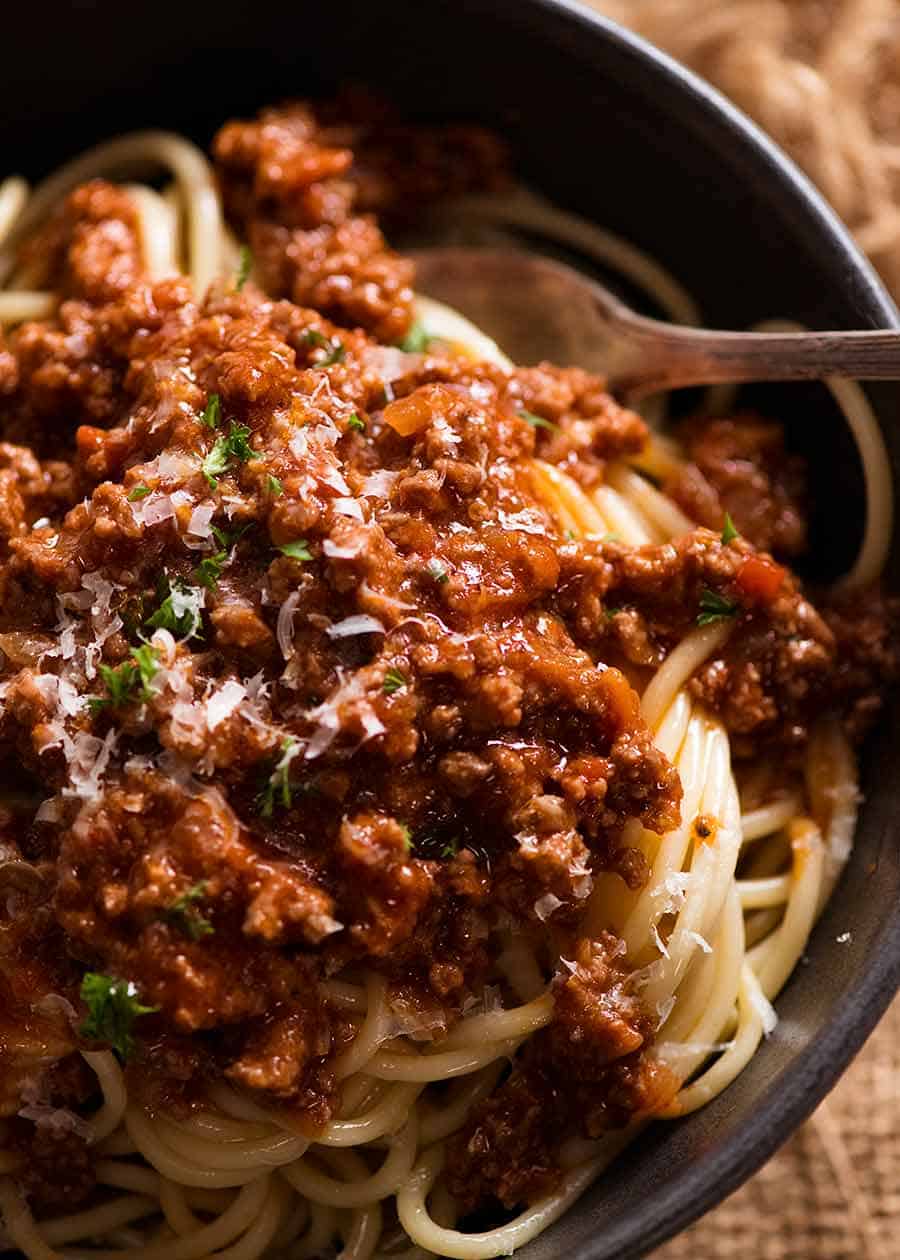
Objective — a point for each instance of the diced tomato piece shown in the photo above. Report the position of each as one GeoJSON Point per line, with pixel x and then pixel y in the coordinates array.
{"type": "Point", "coordinates": [760, 578]}
{"type": "Point", "coordinates": [416, 411]}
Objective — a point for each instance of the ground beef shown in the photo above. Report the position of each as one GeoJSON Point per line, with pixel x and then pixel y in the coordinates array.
{"type": "Point", "coordinates": [89, 247]}
{"type": "Point", "coordinates": [58, 1168]}
{"type": "Point", "coordinates": [740, 466]}
{"type": "Point", "coordinates": [287, 192]}
{"type": "Point", "coordinates": [584, 1074]}
{"type": "Point", "coordinates": [780, 666]}
{"type": "Point", "coordinates": [577, 422]}
{"type": "Point", "coordinates": [866, 629]}
{"type": "Point", "coordinates": [305, 817]}
{"type": "Point", "coordinates": [307, 676]}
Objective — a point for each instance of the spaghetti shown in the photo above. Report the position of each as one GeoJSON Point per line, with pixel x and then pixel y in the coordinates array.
{"type": "Point", "coordinates": [704, 939]}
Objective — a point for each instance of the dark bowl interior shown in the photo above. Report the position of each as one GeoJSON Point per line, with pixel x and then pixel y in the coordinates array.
{"type": "Point", "coordinates": [607, 127]}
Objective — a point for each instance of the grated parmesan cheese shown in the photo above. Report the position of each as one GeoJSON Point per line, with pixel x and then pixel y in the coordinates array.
{"type": "Point", "coordinates": [284, 630]}
{"type": "Point", "coordinates": [48, 810]}
{"type": "Point", "coordinates": [343, 551]}
{"type": "Point", "coordinates": [222, 703]}
{"type": "Point", "coordinates": [545, 906]}
{"type": "Point", "coordinates": [326, 717]}
{"type": "Point", "coordinates": [527, 521]}
{"type": "Point", "coordinates": [349, 507]}
{"type": "Point", "coordinates": [87, 758]}
{"type": "Point", "coordinates": [360, 623]}
{"type": "Point", "coordinates": [154, 508]}
{"type": "Point", "coordinates": [378, 485]}
{"type": "Point", "coordinates": [199, 527]}
{"type": "Point", "coordinates": [57, 1119]}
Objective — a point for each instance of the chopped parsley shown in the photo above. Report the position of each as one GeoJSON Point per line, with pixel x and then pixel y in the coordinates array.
{"type": "Point", "coordinates": [113, 1007]}
{"type": "Point", "coordinates": [184, 915]}
{"type": "Point", "coordinates": [274, 486]}
{"type": "Point", "coordinates": [245, 266]}
{"type": "Point", "coordinates": [209, 570]}
{"type": "Point", "coordinates": [407, 837]}
{"type": "Point", "coordinates": [229, 540]}
{"type": "Point", "coordinates": [277, 790]}
{"type": "Point", "coordinates": [611, 612]}
{"type": "Point", "coordinates": [147, 663]}
{"type": "Point", "coordinates": [336, 351]}
{"type": "Point", "coordinates": [393, 681]}
{"type": "Point", "coordinates": [140, 491]}
{"type": "Point", "coordinates": [179, 611]}
{"type": "Point", "coordinates": [296, 550]}
{"type": "Point", "coordinates": [355, 423]}
{"type": "Point", "coordinates": [416, 340]}
{"type": "Point", "coordinates": [537, 422]}
{"type": "Point", "coordinates": [226, 448]}
{"type": "Point", "coordinates": [211, 415]}
{"type": "Point", "coordinates": [729, 533]}
{"type": "Point", "coordinates": [450, 849]}
{"type": "Point", "coordinates": [437, 571]}
{"type": "Point", "coordinates": [129, 681]}
{"type": "Point", "coordinates": [715, 607]}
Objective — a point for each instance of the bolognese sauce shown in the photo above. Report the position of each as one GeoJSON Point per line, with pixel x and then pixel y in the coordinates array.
{"type": "Point", "coordinates": [303, 678]}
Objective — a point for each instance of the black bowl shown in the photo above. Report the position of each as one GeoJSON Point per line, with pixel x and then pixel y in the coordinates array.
{"type": "Point", "coordinates": [606, 126]}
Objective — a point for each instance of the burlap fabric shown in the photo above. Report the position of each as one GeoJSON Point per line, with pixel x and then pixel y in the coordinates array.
{"type": "Point", "coordinates": [833, 1192]}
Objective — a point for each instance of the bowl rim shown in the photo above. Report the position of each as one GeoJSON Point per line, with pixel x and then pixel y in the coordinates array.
{"type": "Point", "coordinates": [705, 1181]}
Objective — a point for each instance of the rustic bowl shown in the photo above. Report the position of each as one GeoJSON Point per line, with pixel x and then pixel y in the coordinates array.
{"type": "Point", "coordinates": [609, 127]}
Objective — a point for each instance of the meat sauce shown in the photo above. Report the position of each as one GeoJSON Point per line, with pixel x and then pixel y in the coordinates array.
{"type": "Point", "coordinates": [307, 676]}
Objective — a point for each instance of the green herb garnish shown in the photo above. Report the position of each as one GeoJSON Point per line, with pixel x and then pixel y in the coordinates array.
{"type": "Point", "coordinates": [229, 539]}
{"type": "Point", "coordinates": [355, 423]}
{"type": "Point", "coordinates": [274, 486]}
{"type": "Point", "coordinates": [278, 787]}
{"type": "Point", "coordinates": [209, 570]}
{"type": "Point", "coordinates": [183, 914]}
{"type": "Point", "coordinates": [211, 415]}
{"type": "Point", "coordinates": [179, 611]}
{"type": "Point", "coordinates": [416, 340]}
{"type": "Point", "coordinates": [140, 491]}
{"type": "Point", "coordinates": [113, 1007]}
{"type": "Point", "coordinates": [715, 607]}
{"type": "Point", "coordinates": [226, 448]}
{"type": "Point", "coordinates": [336, 350]}
{"type": "Point", "coordinates": [437, 571]}
{"type": "Point", "coordinates": [729, 533]}
{"type": "Point", "coordinates": [450, 849]}
{"type": "Point", "coordinates": [245, 266]}
{"type": "Point", "coordinates": [129, 681]}
{"type": "Point", "coordinates": [537, 422]}
{"type": "Point", "coordinates": [393, 681]}
{"type": "Point", "coordinates": [407, 837]}
{"type": "Point", "coordinates": [147, 663]}
{"type": "Point", "coordinates": [296, 550]}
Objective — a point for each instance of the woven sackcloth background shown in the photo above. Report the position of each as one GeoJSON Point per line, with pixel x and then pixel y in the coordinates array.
{"type": "Point", "coordinates": [833, 1192]}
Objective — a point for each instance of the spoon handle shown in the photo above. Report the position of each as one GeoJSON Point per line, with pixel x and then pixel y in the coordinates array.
{"type": "Point", "coordinates": [675, 357]}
